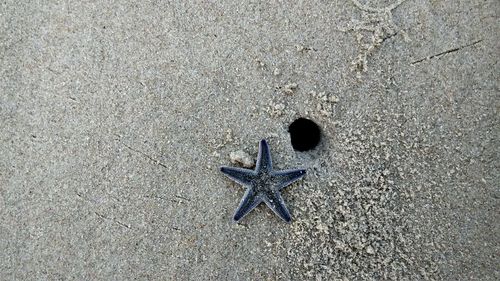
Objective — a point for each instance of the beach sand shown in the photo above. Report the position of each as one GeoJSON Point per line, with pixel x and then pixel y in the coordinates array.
{"type": "Point", "coordinates": [115, 118]}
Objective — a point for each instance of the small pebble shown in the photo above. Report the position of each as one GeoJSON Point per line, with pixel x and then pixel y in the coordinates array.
{"type": "Point", "coordinates": [369, 250]}
{"type": "Point", "coordinates": [289, 88]}
{"type": "Point", "coordinates": [242, 158]}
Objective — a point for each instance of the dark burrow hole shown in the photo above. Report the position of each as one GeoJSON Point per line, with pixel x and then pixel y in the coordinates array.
{"type": "Point", "coordinates": [305, 134]}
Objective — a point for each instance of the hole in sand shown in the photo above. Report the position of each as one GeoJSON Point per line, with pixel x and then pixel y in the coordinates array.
{"type": "Point", "coordinates": [305, 134]}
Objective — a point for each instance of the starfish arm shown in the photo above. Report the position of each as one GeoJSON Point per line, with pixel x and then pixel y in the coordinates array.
{"type": "Point", "coordinates": [276, 203]}
{"type": "Point", "coordinates": [248, 203]}
{"type": "Point", "coordinates": [264, 161]}
{"type": "Point", "coordinates": [286, 177]}
{"type": "Point", "coordinates": [239, 175]}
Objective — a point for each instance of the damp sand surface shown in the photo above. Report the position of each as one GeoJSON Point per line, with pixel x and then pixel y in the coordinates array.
{"type": "Point", "coordinates": [115, 118]}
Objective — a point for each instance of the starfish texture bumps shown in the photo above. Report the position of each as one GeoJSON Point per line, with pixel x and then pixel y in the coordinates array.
{"type": "Point", "coordinates": [263, 184]}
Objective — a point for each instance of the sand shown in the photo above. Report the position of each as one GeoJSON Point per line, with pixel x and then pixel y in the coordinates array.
{"type": "Point", "coordinates": [115, 116]}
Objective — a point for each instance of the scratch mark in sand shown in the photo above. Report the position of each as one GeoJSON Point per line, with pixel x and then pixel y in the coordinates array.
{"type": "Point", "coordinates": [447, 52]}
{"type": "Point", "coordinates": [112, 219]}
{"type": "Point", "coordinates": [156, 161]}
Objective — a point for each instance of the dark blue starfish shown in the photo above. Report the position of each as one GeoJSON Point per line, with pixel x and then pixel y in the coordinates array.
{"type": "Point", "coordinates": [263, 184]}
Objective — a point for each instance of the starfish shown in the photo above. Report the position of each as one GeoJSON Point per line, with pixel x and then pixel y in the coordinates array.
{"type": "Point", "coordinates": [263, 184]}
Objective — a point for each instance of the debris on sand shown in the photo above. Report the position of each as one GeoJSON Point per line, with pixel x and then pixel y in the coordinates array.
{"type": "Point", "coordinates": [242, 158]}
